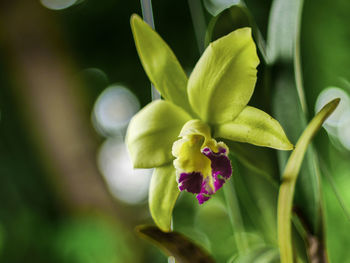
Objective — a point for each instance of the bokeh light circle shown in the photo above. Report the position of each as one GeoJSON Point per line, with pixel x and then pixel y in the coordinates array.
{"type": "Point", "coordinates": [58, 4]}
{"type": "Point", "coordinates": [114, 108]}
{"type": "Point", "coordinates": [344, 129]}
{"type": "Point", "coordinates": [333, 121]}
{"type": "Point", "coordinates": [125, 183]}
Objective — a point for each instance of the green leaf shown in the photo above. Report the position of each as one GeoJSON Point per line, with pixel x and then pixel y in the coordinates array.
{"type": "Point", "coordinates": [286, 194]}
{"type": "Point", "coordinates": [226, 21]}
{"type": "Point", "coordinates": [325, 49]}
{"type": "Point", "coordinates": [261, 254]}
{"type": "Point", "coordinates": [223, 80]}
{"type": "Point", "coordinates": [163, 193]}
{"type": "Point", "coordinates": [289, 105]}
{"type": "Point", "coordinates": [160, 63]}
{"type": "Point", "coordinates": [213, 220]}
{"type": "Point", "coordinates": [288, 111]}
{"type": "Point", "coordinates": [255, 127]}
{"type": "Point", "coordinates": [257, 200]}
{"type": "Point", "coordinates": [229, 17]}
{"type": "Point", "coordinates": [175, 244]}
{"type": "Point", "coordinates": [152, 131]}
{"type": "Point", "coordinates": [235, 215]}
{"type": "Point", "coordinates": [283, 42]}
{"type": "Point", "coordinates": [215, 7]}
{"type": "Point", "coordinates": [258, 159]}
{"type": "Point", "coordinates": [295, 160]}
{"type": "Point", "coordinates": [283, 29]}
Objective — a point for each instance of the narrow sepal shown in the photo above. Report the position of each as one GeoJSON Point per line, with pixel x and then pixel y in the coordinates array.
{"type": "Point", "coordinates": [163, 193]}
{"type": "Point", "coordinates": [160, 63]}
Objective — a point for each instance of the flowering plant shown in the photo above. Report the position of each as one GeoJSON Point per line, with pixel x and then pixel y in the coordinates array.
{"type": "Point", "coordinates": [177, 135]}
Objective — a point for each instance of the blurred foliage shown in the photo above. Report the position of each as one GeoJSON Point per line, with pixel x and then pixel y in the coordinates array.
{"type": "Point", "coordinates": [325, 60]}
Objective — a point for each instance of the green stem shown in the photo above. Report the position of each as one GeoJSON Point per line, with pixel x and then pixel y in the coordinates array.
{"type": "Point", "coordinates": [290, 175]}
{"type": "Point", "coordinates": [234, 213]}
{"type": "Point", "coordinates": [285, 201]}
{"type": "Point", "coordinates": [147, 14]}
{"type": "Point", "coordinates": [198, 21]}
{"type": "Point", "coordinates": [297, 62]}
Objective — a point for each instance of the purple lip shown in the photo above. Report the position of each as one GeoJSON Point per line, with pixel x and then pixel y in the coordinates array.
{"type": "Point", "coordinates": [221, 171]}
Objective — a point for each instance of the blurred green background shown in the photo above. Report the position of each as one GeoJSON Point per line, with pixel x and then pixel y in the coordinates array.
{"type": "Point", "coordinates": [70, 80]}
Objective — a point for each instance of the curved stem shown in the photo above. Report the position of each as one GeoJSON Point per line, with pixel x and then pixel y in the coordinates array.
{"type": "Point", "coordinates": [198, 21]}
{"type": "Point", "coordinates": [285, 201]}
{"type": "Point", "coordinates": [290, 175]}
{"type": "Point", "coordinates": [147, 13]}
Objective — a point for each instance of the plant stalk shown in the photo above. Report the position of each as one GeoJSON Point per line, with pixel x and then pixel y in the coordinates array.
{"type": "Point", "coordinates": [147, 14]}
{"type": "Point", "coordinates": [285, 201]}
{"type": "Point", "coordinates": [198, 21]}
{"type": "Point", "coordinates": [290, 175]}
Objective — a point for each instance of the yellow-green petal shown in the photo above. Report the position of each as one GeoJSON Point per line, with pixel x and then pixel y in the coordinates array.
{"type": "Point", "coordinates": [255, 127]}
{"type": "Point", "coordinates": [163, 193]}
{"type": "Point", "coordinates": [152, 131]}
{"type": "Point", "coordinates": [223, 80]}
{"type": "Point", "coordinates": [160, 63]}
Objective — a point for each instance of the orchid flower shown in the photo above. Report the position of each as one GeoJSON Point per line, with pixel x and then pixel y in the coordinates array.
{"type": "Point", "coordinates": [178, 134]}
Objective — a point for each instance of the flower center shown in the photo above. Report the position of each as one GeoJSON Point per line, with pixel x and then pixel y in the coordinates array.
{"type": "Point", "coordinates": [202, 164]}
